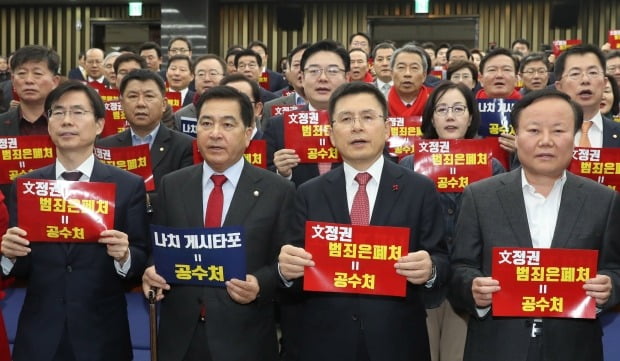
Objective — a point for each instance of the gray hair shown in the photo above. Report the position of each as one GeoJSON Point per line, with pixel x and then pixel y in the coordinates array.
{"type": "Point", "coordinates": [411, 49]}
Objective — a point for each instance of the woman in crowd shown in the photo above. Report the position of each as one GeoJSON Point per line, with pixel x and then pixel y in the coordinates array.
{"type": "Point", "coordinates": [450, 113]}
{"type": "Point", "coordinates": [464, 72]}
{"type": "Point", "coordinates": [610, 106]}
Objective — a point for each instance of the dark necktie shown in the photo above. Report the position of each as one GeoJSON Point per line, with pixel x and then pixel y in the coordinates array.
{"type": "Point", "coordinates": [215, 203]}
{"type": "Point", "coordinates": [360, 210]}
{"type": "Point", "coordinates": [71, 176]}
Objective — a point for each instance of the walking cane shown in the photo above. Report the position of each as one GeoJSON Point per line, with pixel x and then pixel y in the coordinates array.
{"type": "Point", "coordinates": [153, 322]}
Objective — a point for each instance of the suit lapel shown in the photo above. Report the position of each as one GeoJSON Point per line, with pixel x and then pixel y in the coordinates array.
{"type": "Point", "coordinates": [570, 208]}
{"type": "Point", "coordinates": [193, 198]}
{"type": "Point", "coordinates": [511, 199]}
{"type": "Point", "coordinates": [335, 192]}
{"type": "Point", "coordinates": [160, 145]}
{"type": "Point", "coordinates": [387, 194]}
{"type": "Point", "coordinates": [611, 135]}
{"type": "Point", "coordinates": [247, 192]}
{"type": "Point", "coordinates": [124, 138]}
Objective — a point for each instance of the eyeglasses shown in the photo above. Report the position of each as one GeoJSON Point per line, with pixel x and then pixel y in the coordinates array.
{"type": "Point", "coordinates": [402, 68]}
{"type": "Point", "coordinates": [359, 44]}
{"type": "Point", "coordinates": [577, 74]}
{"type": "Point", "coordinates": [530, 72]}
{"type": "Point", "coordinates": [210, 74]}
{"type": "Point", "coordinates": [493, 70]}
{"type": "Point", "coordinates": [330, 71]}
{"type": "Point", "coordinates": [365, 118]}
{"type": "Point", "coordinates": [178, 51]}
{"type": "Point", "coordinates": [60, 114]}
{"type": "Point", "coordinates": [613, 68]}
{"type": "Point", "coordinates": [250, 66]}
{"type": "Point", "coordinates": [460, 76]}
{"type": "Point", "coordinates": [443, 110]}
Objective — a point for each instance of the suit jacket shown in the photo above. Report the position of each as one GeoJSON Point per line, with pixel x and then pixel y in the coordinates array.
{"type": "Point", "coordinates": [262, 205]}
{"type": "Point", "coordinates": [9, 123]}
{"type": "Point", "coordinates": [274, 135]}
{"type": "Point", "coordinates": [78, 285]}
{"type": "Point", "coordinates": [394, 328]}
{"type": "Point", "coordinates": [493, 215]}
{"type": "Point", "coordinates": [188, 111]}
{"type": "Point", "coordinates": [611, 133]}
{"type": "Point", "coordinates": [7, 93]}
{"type": "Point", "coordinates": [276, 80]}
{"type": "Point", "coordinates": [189, 98]}
{"type": "Point", "coordinates": [171, 150]}
{"type": "Point", "coordinates": [285, 100]}
{"type": "Point", "coordinates": [76, 74]}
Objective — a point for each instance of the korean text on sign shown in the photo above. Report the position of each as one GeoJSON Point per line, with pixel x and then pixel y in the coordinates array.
{"type": "Point", "coordinates": [62, 211]}
{"type": "Point", "coordinates": [355, 259]}
{"type": "Point", "coordinates": [545, 282]}
{"type": "Point", "coordinates": [199, 256]}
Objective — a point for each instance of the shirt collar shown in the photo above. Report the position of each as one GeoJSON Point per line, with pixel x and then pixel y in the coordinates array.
{"type": "Point", "coordinates": [525, 185]}
{"type": "Point", "coordinates": [597, 121]}
{"type": "Point", "coordinates": [380, 84]}
{"type": "Point", "coordinates": [233, 173]}
{"type": "Point", "coordinates": [86, 168]}
{"type": "Point", "coordinates": [98, 80]}
{"type": "Point", "coordinates": [375, 171]}
{"type": "Point", "coordinates": [299, 100]}
{"type": "Point", "coordinates": [148, 139]}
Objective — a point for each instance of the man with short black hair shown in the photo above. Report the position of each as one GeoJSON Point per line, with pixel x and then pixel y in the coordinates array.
{"type": "Point", "coordinates": [382, 55]}
{"type": "Point", "coordinates": [521, 45]}
{"type": "Point", "coordinates": [458, 52]}
{"type": "Point", "coordinates": [249, 63]}
{"type": "Point", "coordinates": [151, 53]}
{"type": "Point", "coordinates": [275, 79]}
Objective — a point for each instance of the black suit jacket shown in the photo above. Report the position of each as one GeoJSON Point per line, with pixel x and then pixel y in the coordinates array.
{"type": "Point", "coordinates": [189, 98]}
{"type": "Point", "coordinates": [78, 286]}
{"type": "Point", "coordinates": [493, 215]}
{"type": "Point", "coordinates": [171, 150]}
{"type": "Point", "coordinates": [611, 133]}
{"type": "Point", "coordinates": [76, 74]}
{"type": "Point", "coordinates": [276, 81]}
{"type": "Point", "coordinates": [262, 204]}
{"type": "Point", "coordinates": [394, 328]}
{"type": "Point", "coordinates": [9, 123]}
{"type": "Point", "coordinates": [274, 135]}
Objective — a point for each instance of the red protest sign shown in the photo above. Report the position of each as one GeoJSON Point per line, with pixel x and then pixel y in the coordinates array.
{"type": "Point", "coordinates": [96, 85]}
{"type": "Point", "coordinates": [602, 165]}
{"type": "Point", "coordinates": [560, 45]}
{"type": "Point", "coordinates": [135, 159]}
{"type": "Point", "coordinates": [263, 80]}
{"type": "Point", "coordinates": [308, 133]}
{"type": "Point", "coordinates": [546, 282]}
{"type": "Point", "coordinates": [255, 153]}
{"type": "Point", "coordinates": [20, 155]}
{"type": "Point", "coordinates": [403, 132]}
{"type": "Point", "coordinates": [280, 109]}
{"type": "Point", "coordinates": [452, 164]}
{"type": "Point", "coordinates": [613, 38]}
{"type": "Point", "coordinates": [62, 211]}
{"type": "Point", "coordinates": [355, 259]}
{"type": "Point", "coordinates": [174, 100]}
{"type": "Point", "coordinates": [115, 120]}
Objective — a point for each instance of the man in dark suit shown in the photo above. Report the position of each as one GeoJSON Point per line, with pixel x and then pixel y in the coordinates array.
{"type": "Point", "coordinates": [580, 73]}
{"type": "Point", "coordinates": [75, 306]}
{"type": "Point", "coordinates": [143, 100]}
{"type": "Point", "coordinates": [325, 66]}
{"type": "Point", "coordinates": [29, 117]}
{"type": "Point", "coordinates": [539, 205]}
{"type": "Point", "coordinates": [180, 74]}
{"type": "Point", "coordinates": [79, 73]}
{"type": "Point", "coordinates": [236, 324]}
{"type": "Point", "coordinates": [366, 327]}
{"type": "Point", "coordinates": [249, 64]}
{"type": "Point", "coordinates": [276, 80]}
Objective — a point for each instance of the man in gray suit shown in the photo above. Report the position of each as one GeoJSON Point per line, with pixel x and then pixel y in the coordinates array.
{"type": "Point", "coordinates": [236, 322]}
{"type": "Point", "coordinates": [540, 205]}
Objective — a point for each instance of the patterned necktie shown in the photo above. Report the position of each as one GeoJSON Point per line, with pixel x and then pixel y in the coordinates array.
{"type": "Point", "coordinates": [360, 210]}
{"type": "Point", "coordinates": [386, 89]}
{"type": "Point", "coordinates": [71, 176]}
{"type": "Point", "coordinates": [585, 140]}
{"type": "Point", "coordinates": [215, 204]}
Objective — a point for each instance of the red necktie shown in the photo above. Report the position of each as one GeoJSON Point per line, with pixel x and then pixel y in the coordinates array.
{"type": "Point", "coordinates": [360, 210]}
{"type": "Point", "coordinates": [215, 204]}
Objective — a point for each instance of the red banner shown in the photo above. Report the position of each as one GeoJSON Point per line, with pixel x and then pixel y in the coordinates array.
{"type": "Point", "coordinates": [174, 100]}
{"type": "Point", "coordinates": [20, 155]}
{"type": "Point", "coordinates": [452, 164]}
{"type": "Point", "coordinates": [613, 38]}
{"type": "Point", "coordinates": [134, 159]}
{"type": "Point", "coordinates": [307, 132]}
{"type": "Point", "coordinates": [255, 153]}
{"type": "Point", "coordinates": [96, 85]}
{"type": "Point", "coordinates": [439, 72]}
{"type": "Point", "coordinates": [115, 120]}
{"type": "Point", "coordinates": [263, 81]}
{"type": "Point", "coordinates": [280, 109]}
{"type": "Point", "coordinates": [602, 165]}
{"type": "Point", "coordinates": [560, 45]}
{"type": "Point", "coordinates": [355, 259]}
{"type": "Point", "coordinates": [62, 211]}
{"type": "Point", "coordinates": [538, 282]}
{"type": "Point", "coordinates": [403, 132]}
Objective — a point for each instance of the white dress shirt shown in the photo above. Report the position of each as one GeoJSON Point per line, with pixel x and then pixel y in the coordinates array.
{"type": "Point", "coordinates": [233, 173]}
{"type": "Point", "coordinates": [595, 134]}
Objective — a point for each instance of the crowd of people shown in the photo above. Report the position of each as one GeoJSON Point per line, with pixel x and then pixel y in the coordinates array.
{"type": "Point", "coordinates": [75, 307]}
